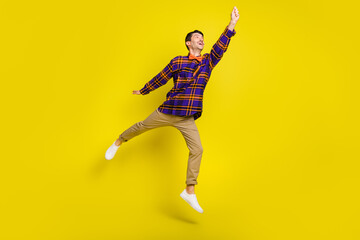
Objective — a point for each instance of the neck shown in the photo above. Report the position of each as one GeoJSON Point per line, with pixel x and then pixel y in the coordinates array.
{"type": "Point", "coordinates": [195, 52]}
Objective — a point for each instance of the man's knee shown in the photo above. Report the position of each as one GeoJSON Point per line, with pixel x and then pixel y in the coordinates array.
{"type": "Point", "coordinates": [140, 124]}
{"type": "Point", "coordinates": [197, 150]}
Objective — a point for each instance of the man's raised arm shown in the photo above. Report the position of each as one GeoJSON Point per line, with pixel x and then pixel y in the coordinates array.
{"type": "Point", "coordinates": [222, 44]}
{"type": "Point", "coordinates": [234, 18]}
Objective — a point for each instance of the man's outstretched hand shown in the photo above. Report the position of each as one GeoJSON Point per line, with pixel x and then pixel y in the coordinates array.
{"type": "Point", "coordinates": [137, 92]}
{"type": "Point", "coordinates": [235, 15]}
{"type": "Point", "coordinates": [234, 18]}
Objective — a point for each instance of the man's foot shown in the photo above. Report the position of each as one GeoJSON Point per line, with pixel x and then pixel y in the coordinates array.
{"type": "Point", "coordinates": [192, 200]}
{"type": "Point", "coordinates": [110, 153]}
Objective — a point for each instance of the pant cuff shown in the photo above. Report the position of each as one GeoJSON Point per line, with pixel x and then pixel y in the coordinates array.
{"type": "Point", "coordinates": [191, 182]}
{"type": "Point", "coordinates": [122, 139]}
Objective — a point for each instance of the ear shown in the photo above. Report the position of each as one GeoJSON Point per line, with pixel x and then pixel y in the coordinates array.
{"type": "Point", "coordinates": [188, 43]}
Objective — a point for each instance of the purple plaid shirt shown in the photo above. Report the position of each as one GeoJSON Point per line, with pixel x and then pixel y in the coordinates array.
{"type": "Point", "coordinates": [190, 79]}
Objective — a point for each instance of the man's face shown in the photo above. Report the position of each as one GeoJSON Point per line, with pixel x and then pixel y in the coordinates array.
{"type": "Point", "coordinates": [197, 41]}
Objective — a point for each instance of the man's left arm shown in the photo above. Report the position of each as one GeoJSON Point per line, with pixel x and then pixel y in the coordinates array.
{"type": "Point", "coordinates": [234, 18]}
{"type": "Point", "coordinates": [222, 43]}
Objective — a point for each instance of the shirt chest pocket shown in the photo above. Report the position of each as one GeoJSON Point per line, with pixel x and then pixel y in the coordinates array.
{"type": "Point", "coordinates": [183, 83]}
{"type": "Point", "coordinates": [186, 73]}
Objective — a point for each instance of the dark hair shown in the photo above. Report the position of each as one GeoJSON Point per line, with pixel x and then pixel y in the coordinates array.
{"type": "Point", "coordinates": [189, 35]}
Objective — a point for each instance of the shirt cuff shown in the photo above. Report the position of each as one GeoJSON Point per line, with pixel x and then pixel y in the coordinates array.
{"type": "Point", "coordinates": [229, 33]}
{"type": "Point", "coordinates": [144, 91]}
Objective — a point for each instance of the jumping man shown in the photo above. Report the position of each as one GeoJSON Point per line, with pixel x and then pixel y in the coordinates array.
{"type": "Point", "coordinates": [183, 104]}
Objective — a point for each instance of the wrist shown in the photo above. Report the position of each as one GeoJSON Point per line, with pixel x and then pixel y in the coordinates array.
{"type": "Point", "coordinates": [232, 22]}
{"type": "Point", "coordinates": [231, 26]}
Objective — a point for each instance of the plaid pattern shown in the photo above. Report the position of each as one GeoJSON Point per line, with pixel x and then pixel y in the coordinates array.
{"type": "Point", "coordinates": [190, 79]}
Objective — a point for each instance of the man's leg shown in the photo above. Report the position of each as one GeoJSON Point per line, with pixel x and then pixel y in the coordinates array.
{"type": "Point", "coordinates": [191, 135]}
{"type": "Point", "coordinates": [188, 129]}
{"type": "Point", "coordinates": [154, 120]}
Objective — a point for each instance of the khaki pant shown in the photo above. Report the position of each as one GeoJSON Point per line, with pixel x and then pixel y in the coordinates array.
{"type": "Point", "coordinates": [186, 125]}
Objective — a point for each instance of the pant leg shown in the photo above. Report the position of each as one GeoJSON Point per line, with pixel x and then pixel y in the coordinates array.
{"type": "Point", "coordinates": [189, 130]}
{"type": "Point", "coordinates": [154, 120]}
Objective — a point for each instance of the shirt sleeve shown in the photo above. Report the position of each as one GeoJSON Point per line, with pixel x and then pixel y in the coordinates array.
{"type": "Point", "coordinates": [160, 79]}
{"type": "Point", "coordinates": [220, 47]}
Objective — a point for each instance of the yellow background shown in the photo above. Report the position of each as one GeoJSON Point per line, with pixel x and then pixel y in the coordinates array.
{"type": "Point", "coordinates": [280, 127]}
